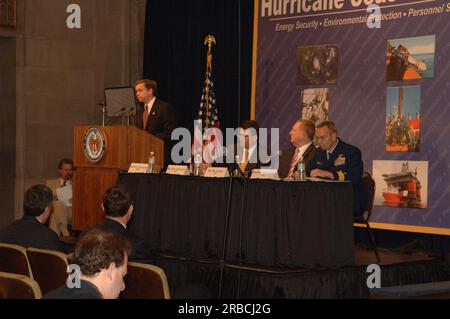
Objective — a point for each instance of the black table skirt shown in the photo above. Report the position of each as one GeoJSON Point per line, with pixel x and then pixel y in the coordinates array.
{"type": "Point", "coordinates": [284, 224]}
{"type": "Point", "coordinates": [346, 282]}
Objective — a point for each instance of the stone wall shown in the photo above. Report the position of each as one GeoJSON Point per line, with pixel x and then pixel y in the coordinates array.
{"type": "Point", "coordinates": [7, 128]}
{"type": "Point", "coordinates": [61, 74]}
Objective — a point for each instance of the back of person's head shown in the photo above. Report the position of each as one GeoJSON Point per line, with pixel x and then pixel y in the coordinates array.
{"type": "Point", "coordinates": [308, 127]}
{"type": "Point", "coordinates": [36, 200]}
{"type": "Point", "coordinates": [117, 201]}
{"type": "Point", "coordinates": [98, 249]}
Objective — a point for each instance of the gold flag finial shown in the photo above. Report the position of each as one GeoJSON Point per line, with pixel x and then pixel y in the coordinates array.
{"type": "Point", "coordinates": [209, 41]}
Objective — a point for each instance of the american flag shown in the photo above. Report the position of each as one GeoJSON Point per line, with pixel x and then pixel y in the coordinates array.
{"type": "Point", "coordinates": [208, 114]}
{"type": "Point", "coordinates": [209, 117]}
{"type": "Point", "coordinates": [208, 109]}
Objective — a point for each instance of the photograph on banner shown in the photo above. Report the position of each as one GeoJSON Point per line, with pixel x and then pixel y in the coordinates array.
{"type": "Point", "coordinates": [403, 120]}
{"type": "Point", "coordinates": [315, 104]}
{"type": "Point", "coordinates": [411, 58]}
{"type": "Point", "coordinates": [401, 183]}
{"type": "Point", "coordinates": [317, 64]}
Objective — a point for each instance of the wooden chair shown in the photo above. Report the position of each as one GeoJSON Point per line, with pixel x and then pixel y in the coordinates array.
{"type": "Point", "coordinates": [145, 281]}
{"type": "Point", "coordinates": [13, 286]}
{"type": "Point", "coordinates": [369, 186]}
{"type": "Point", "coordinates": [49, 268]}
{"type": "Point", "coordinates": [13, 259]}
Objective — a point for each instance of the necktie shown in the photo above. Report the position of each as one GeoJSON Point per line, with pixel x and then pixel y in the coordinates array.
{"type": "Point", "coordinates": [245, 160]}
{"type": "Point", "coordinates": [64, 184]}
{"type": "Point", "coordinates": [145, 117]}
{"type": "Point", "coordinates": [294, 162]}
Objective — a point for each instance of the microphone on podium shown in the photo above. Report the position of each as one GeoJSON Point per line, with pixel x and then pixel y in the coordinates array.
{"type": "Point", "coordinates": [119, 111]}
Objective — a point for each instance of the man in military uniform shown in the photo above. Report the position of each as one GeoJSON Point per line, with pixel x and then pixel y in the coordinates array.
{"type": "Point", "coordinates": [339, 161]}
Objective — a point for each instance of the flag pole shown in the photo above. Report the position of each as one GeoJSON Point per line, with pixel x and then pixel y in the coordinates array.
{"type": "Point", "coordinates": [209, 41]}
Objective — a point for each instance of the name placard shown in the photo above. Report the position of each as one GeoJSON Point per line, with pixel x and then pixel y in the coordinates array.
{"type": "Point", "coordinates": [138, 168]}
{"type": "Point", "coordinates": [217, 172]}
{"type": "Point", "coordinates": [265, 173]}
{"type": "Point", "coordinates": [177, 170]}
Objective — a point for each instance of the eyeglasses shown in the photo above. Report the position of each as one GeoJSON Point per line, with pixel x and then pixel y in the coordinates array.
{"type": "Point", "coordinates": [324, 137]}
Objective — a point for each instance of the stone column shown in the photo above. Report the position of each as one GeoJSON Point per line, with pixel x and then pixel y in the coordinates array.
{"type": "Point", "coordinates": [137, 30]}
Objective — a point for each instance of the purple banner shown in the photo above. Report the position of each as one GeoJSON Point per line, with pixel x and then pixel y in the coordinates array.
{"type": "Point", "coordinates": [371, 66]}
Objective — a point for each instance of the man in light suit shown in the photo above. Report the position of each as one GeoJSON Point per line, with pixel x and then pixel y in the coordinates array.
{"type": "Point", "coordinates": [62, 215]}
{"type": "Point", "coordinates": [301, 135]}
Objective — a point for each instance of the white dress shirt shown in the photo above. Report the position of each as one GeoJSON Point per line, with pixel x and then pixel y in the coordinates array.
{"type": "Point", "coordinates": [329, 152]}
{"type": "Point", "coordinates": [150, 105]}
{"type": "Point", "coordinates": [303, 149]}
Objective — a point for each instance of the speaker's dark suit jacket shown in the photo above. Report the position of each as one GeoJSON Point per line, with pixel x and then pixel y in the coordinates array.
{"type": "Point", "coordinates": [346, 165]}
{"type": "Point", "coordinates": [29, 232]}
{"type": "Point", "coordinates": [286, 158]}
{"type": "Point", "coordinates": [161, 120]}
{"type": "Point", "coordinates": [141, 251]}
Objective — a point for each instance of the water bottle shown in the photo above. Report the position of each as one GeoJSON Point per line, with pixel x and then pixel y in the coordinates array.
{"type": "Point", "coordinates": [151, 162]}
{"type": "Point", "coordinates": [198, 165]}
{"type": "Point", "coordinates": [300, 173]}
{"type": "Point", "coordinates": [301, 170]}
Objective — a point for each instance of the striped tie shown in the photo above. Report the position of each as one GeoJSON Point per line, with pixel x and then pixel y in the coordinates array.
{"type": "Point", "coordinates": [294, 162]}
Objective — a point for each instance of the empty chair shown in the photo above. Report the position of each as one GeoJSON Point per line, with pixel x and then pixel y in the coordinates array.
{"type": "Point", "coordinates": [145, 281]}
{"type": "Point", "coordinates": [369, 186]}
{"type": "Point", "coordinates": [49, 268]}
{"type": "Point", "coordinates": [13, 259]}
{"type": "Point", "coordinates": [13, 286]}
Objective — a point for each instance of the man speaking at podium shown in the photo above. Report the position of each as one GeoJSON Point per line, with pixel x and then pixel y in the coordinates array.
{"type": "Point", "coordinates": [153, 115]}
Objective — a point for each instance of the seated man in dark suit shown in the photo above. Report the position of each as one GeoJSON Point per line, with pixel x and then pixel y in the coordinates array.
{"type": "Point", "coordinates": [301, 135]}
{"type": "Point", "coordinates": [102, 258]}
{"type": "Point", "coordinates": [118, 208]}
{"type": "Point", "coordinates": [339, 161]}
{"type": "Point", "coordinates": [31, 231]}
{"type": "Point", "coordinates": [250, 154]}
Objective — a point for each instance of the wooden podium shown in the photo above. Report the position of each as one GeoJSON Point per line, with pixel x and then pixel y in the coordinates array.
{"type": "Point", "coordinates": [99, 154]}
